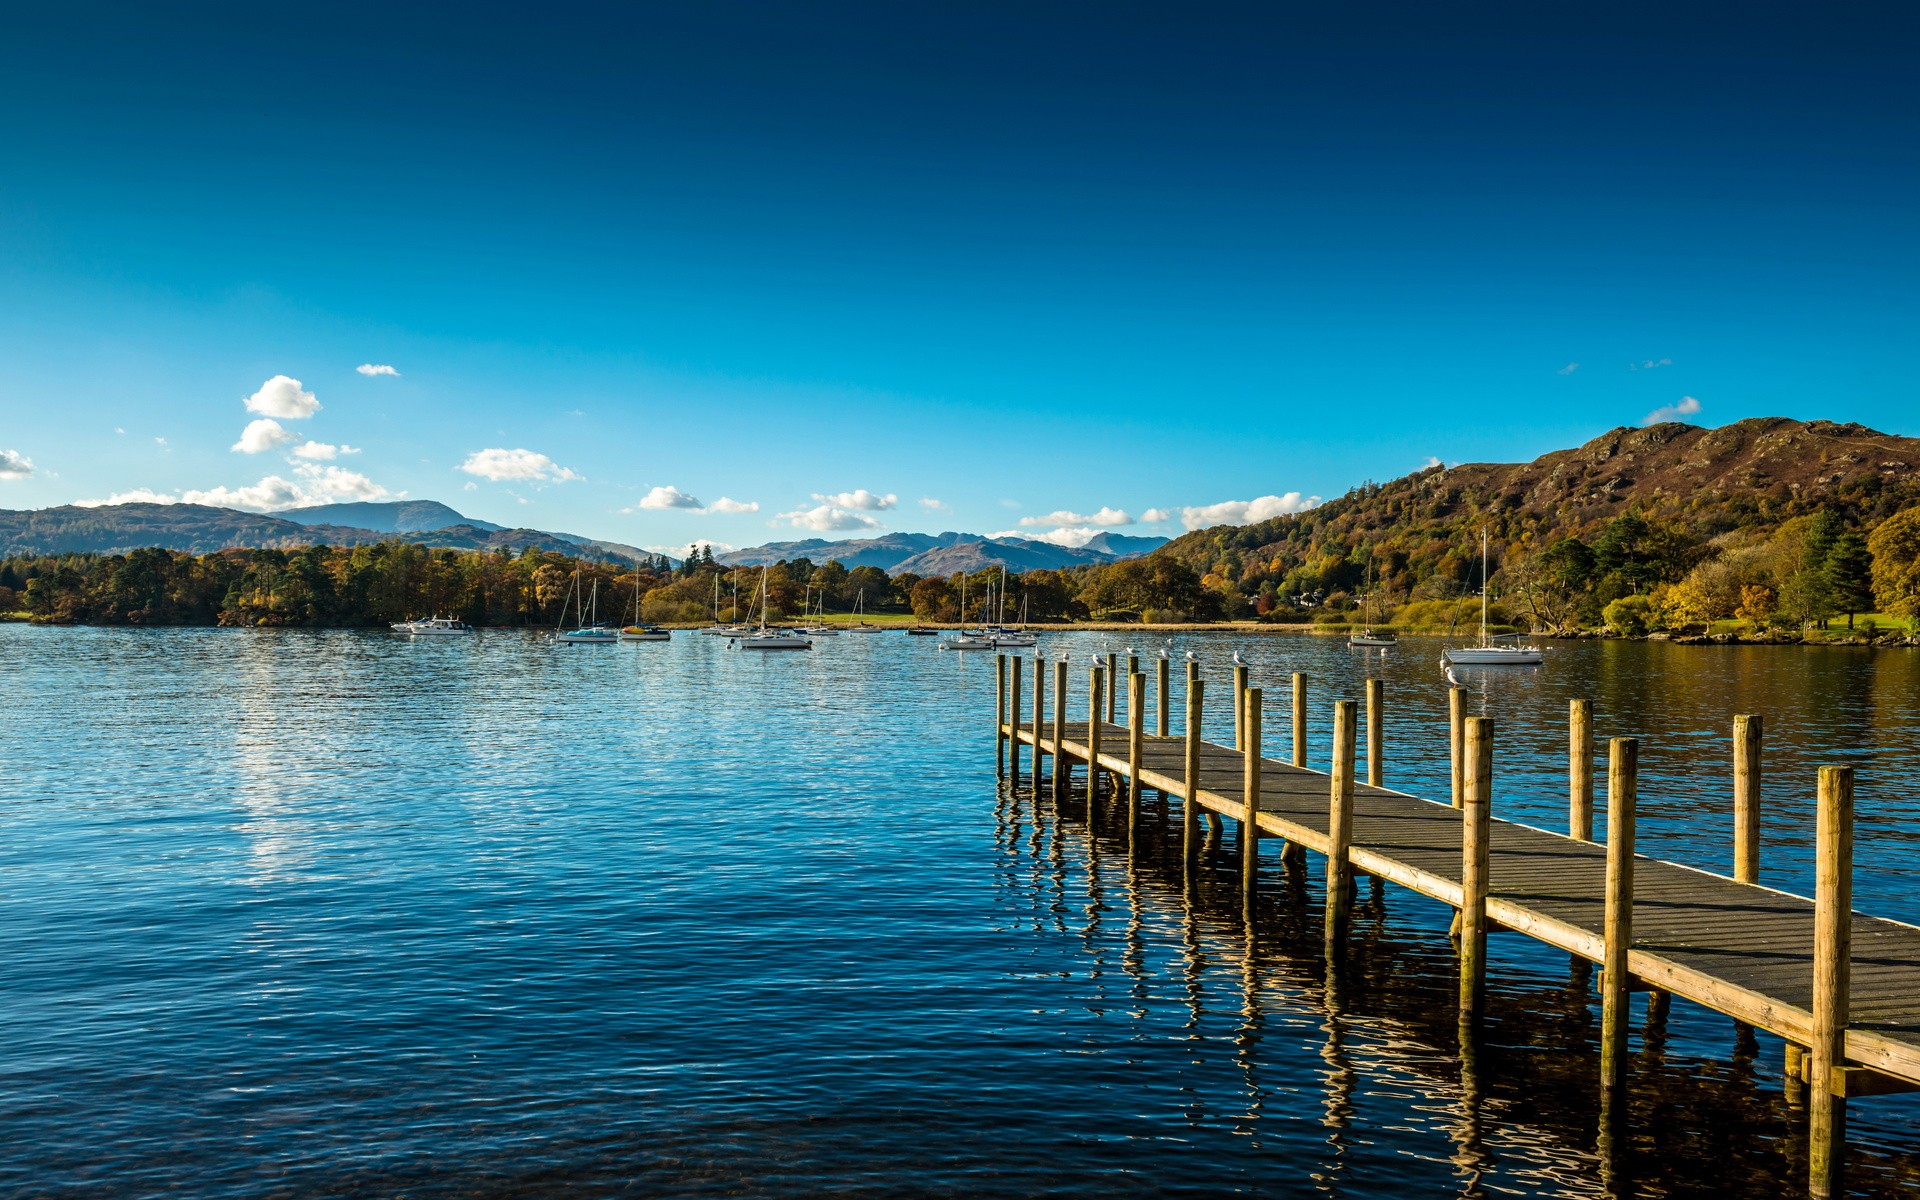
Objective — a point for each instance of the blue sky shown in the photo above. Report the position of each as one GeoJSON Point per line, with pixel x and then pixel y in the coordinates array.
{"type": "Point", "coordinates": [1172, 264]}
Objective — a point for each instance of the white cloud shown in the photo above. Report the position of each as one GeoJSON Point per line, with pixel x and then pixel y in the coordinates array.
{"type": "Point", "coordinates": [1106, 516]}
{"type": "Point", "coordinates": [860, 499]}
{"type": "Point", "coordinates": [1245, 512]}
{"type": "Point", "coordinates": [282, 396]}
{"type": "Point", "coordinates": [14, 465]}
{"type": "Point", "coordinates": [1667, 412]}
{"type": "Point", "coordinates": [726, 504]}
{"type": "Point", "coordinates": [323, 450]}
{"type": "Point", "coordinates": [136, 496]}
{"type": "Point", "coordinates": [262, 435]}
{"type": "Point", "coordinates": [683, 551]}
{"type": "Point", "coordinates": [1432, 462]}
{"type": "Point", "coordinates": [1072, 536]}
{"type": "Point", "coordinates": [469, 486]}
{"type": "Point", "coordinates": [375, 369]}
{"type": "Point", "coordinates": [1648, 364]}
{"type": "Point", "coordinates": [117, 429]}
{"type": "Point", "coordinates": [1569, 369]}
{"type": "Point", "coordinates": [1154, 516]}
{"type": "Point", "coordinates": [828, 519]}
{"type": "Point", "coordinates": [315, 485]}
{"type": "Point", "coordinates": [501, 465]}
{"type": "Point", "coordinates": [668, 496]}
{"type": "Point", "coordinates": [932, 505]}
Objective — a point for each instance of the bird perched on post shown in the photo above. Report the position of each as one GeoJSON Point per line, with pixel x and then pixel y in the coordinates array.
{"type": "Point", "coordinates": [1192, 657]}
{"type": "Point", "coordinates": [1452, 679]}
{"type": "Point", "coordinates": [1238, 661]}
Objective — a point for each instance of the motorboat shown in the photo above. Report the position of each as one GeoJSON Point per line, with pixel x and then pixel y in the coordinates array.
{"type": "Point", "coordinates": [438, 627]}
{"type": "Point", "coordinates": [645, 633]}
{"type": "Point", "coordinates": [1502, 651]}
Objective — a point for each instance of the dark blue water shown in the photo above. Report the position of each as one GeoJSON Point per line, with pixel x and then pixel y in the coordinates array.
{"type": "Point", "coordinates": [322, 914]}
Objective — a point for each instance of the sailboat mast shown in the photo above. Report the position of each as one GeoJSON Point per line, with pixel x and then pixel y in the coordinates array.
{"type": "Point", "coordinates": [1483, 586]}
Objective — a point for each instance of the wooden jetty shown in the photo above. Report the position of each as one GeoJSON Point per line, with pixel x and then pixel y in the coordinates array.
{"type": "Point", "coordinates": [1842, 989]}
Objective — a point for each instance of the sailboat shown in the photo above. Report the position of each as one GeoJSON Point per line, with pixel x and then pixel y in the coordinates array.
{"type": "Point", "coordinates": [638, 632]}
{"type": "Point", "coordinates": [1489, 653]}
{"type": "Point", "coordinates": [766, 639]}
{"type": "Point", "coordinates": [589, 632]}
{"type": "Point", "coordinates": [1011, 638]}
{"type": "Point", "coordinates": [818, 627]}
{"type": "Point", "coordinates": [965, 639]}
{"type": "Point", "coordinates": [1367, 638]}
{"type": "Point", "coordinates": [717, 629]}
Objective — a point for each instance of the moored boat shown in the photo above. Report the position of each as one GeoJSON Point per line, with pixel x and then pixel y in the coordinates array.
{"type": "Point", "coordinates": [1490, 652]}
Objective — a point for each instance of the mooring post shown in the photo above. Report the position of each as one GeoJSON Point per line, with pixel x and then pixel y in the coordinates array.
{"type": "Point", "coordinates": [1039, 713]}
{"type": "Point", "coordinates": [1746, 797]}
{"type": "Point", "coordinates": [1623, 787]}
{"type": "Point", "coordinates": [1062, 765]}
{"type": "Point", "coordinates": [1096, 694]}
{"type": "Point", "coordinates": [1832, 981]}
{"type": "Point", "coordinates": [1190, 804]}
{"type": "Point", "coordinates": [1456, 715]}
{"type": "Point", "coordinates": [1340, 828]}
{"type": "Point", "coordinates": [1580, 769]}
{"type": "Point", "coordinates": [1160, 708]}
{"type": "Point", "coordinates": [1239, 708]}
{"type": "Point", "coordinates": [1250, 796]}
{"type": "Point", "coordinates": [1476, 829]}
{"type": "Point", "coordinates": [1376, 723]}
{"type": "Point", "coordinates": [1136, 748]}
{"type": "Point", "coordinates": [1299, 719]}
{"type": "Point", "coordinates": [1013, 717]}
{"type": "Point", "coordinates": [1112, 676]}
{"type": "Point", "coordinates": [1000, 714]}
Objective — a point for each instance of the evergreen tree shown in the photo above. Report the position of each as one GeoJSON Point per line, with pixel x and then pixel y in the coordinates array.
{"type": "Point", "coordinates": [1848, 572]}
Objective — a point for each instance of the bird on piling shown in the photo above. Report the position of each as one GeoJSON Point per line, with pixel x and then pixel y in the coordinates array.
{"type": "Point", "coordinates": [1452, 679]}
{"type": "Point", "coordinates": [1238, 661]}
{"type": "Point", "coordinates": [1192, 657]}
{"type": "Point", "coordinates": [1163, 652]}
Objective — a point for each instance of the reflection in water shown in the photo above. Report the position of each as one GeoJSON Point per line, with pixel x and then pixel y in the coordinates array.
{"type": "Point", "coordinates": [669, 920]}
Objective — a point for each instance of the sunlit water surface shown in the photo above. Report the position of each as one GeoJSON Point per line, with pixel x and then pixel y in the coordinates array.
{"type": "Point", "coordinates": [320, 914]}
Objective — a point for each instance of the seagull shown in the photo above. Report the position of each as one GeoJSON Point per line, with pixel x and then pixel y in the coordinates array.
{"type": "Point", "coordinates": [1163, 653]}
{"type": "Point", "coordinates": [1238, 661]}
{"type": "Point", "coordinates": [1452, 679]}
{"type": "Point", "coordinates": [1192, 657]}
{"type": "Point", "coordinates": [1131, 652]}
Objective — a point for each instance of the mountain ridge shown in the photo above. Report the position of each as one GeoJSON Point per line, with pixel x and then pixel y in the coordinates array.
{"type": "Point", "coordinates": [946, 552]}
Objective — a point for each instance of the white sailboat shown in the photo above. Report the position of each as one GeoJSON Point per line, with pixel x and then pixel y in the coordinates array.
{"type": "Point", "coordinates": [1367, 638]}
{"type": "Point", "coordinates": [1490, 652]}
{"type": "Point", "coordinates": [638, 631]}
{"type": "Point", "coordinates": [818, 626]}
{"type": "Point", "coordinates": [771, 639]}
{"type": "Point", "coordinates": [966, 639]}
{"type": "Point", "coordinates": [1011, 638]}
{"type": "Point", "coordinates": [589, 632]}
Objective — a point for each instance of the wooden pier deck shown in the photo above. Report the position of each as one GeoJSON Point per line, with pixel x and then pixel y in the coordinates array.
{"type": "Point", "coordinates": [1741, 949]}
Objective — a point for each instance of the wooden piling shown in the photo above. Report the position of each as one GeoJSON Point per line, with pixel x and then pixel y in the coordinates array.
{"type": "Point", "coordinates": [1011, 685]}
{"type": "Point", "coordinates": [1239, 708]}
{"type": "Point", "coordinates": [1580, 769]}
{"type": "Point", "coordinates": [1160, 708]}
{"type": "Point", "coordinates": [1456, 714]}
{"type": "Point", "coordinates": [1136, 748]}
{"type": "Point", "coordinates": [1746, 797]}
{"type": "Point", "coordinates": [1250, 795]}
{"type": "Point", "coordinates": [1096, 695]}
{"type": "Point", "coordinates": [1299, 719]}
{"type": "Point", "coordinates": [1039, 713]}
{"type": "Point", "coordinates": [1623, 783]}
{"type": "Point", "coordinates": [1339, 898]}
{"type": "Point", "coordinates": [1112, 676]}
{"type": "Point", "coordinates": [1376, 723]}
{"type": "Point", "coordinates": [1000, 715]}
{"type": "Point", "coordinates": [1832, 981]}
{"type": "Point", "coordinates": [1062, 765]}
{"type": "Point", "coordinates": [1190, 804]}
{"type": "Point", "coordinates": [1476, 829]}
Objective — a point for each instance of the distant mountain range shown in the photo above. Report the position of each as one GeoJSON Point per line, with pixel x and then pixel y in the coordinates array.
{"type": "Point", "coordinates": [944, 553]}
{"type": "Point", "coordinates": [201, 529]}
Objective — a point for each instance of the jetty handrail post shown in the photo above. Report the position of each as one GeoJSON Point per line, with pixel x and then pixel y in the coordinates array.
{"type": "Point", "coordinates": [1746, 797]}
{"type": "Point", "coordinates": [1623, 790]}
{"type": "Point", "coordinates": [1000, 715]}
{"type": "Point", "coordinates": [1299, 719]}
{"type": "Point", "coordinates": [1376, 721]}
{"type": "Point", "coordinates": [1832, 980]}
{"type": "Point", "coordinates": [1039, 713]}
{"type": "Point", "coordinates": [1096, 693]}
{"type": "Point", "coordinates": [1580, 769]}
{"type": "Point", "coordinates": [1190, 801]}
{"type": "Point", "coordinates": [1136, 748]}
{"type": "Point", "coordinates": [1250, 796]}
{"type": "Point", "coordinates": [1340, 828]}
{"type": "Point", "coordinates": [1133, 668]}
{"type": "Point", "coordinates": [1062, 765]}
{"type": "Point", "coordinates": [1013, 720]}
{"type": "Point", "coordinates": [1160, 709]}
{"type": "Point", "coordinates": [1239, 707]}
{"type": "Point", "coordinates": [1112, 676]}
{"type": "Point", "coordinates": [1476, 829]}
{"type": "Point", "coordinates": [1456, 731]}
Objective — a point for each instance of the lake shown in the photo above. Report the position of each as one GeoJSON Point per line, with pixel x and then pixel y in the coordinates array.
{"type": "Point", "coordinates": [304, 913]}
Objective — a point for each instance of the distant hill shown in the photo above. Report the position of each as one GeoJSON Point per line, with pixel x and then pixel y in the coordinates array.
{"type": "Point", "coordinates": [201, 529]}
{"type": "Point", "coordinates": [944, 553]}
{"type": "Point", "coordinates": [398, 516]}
